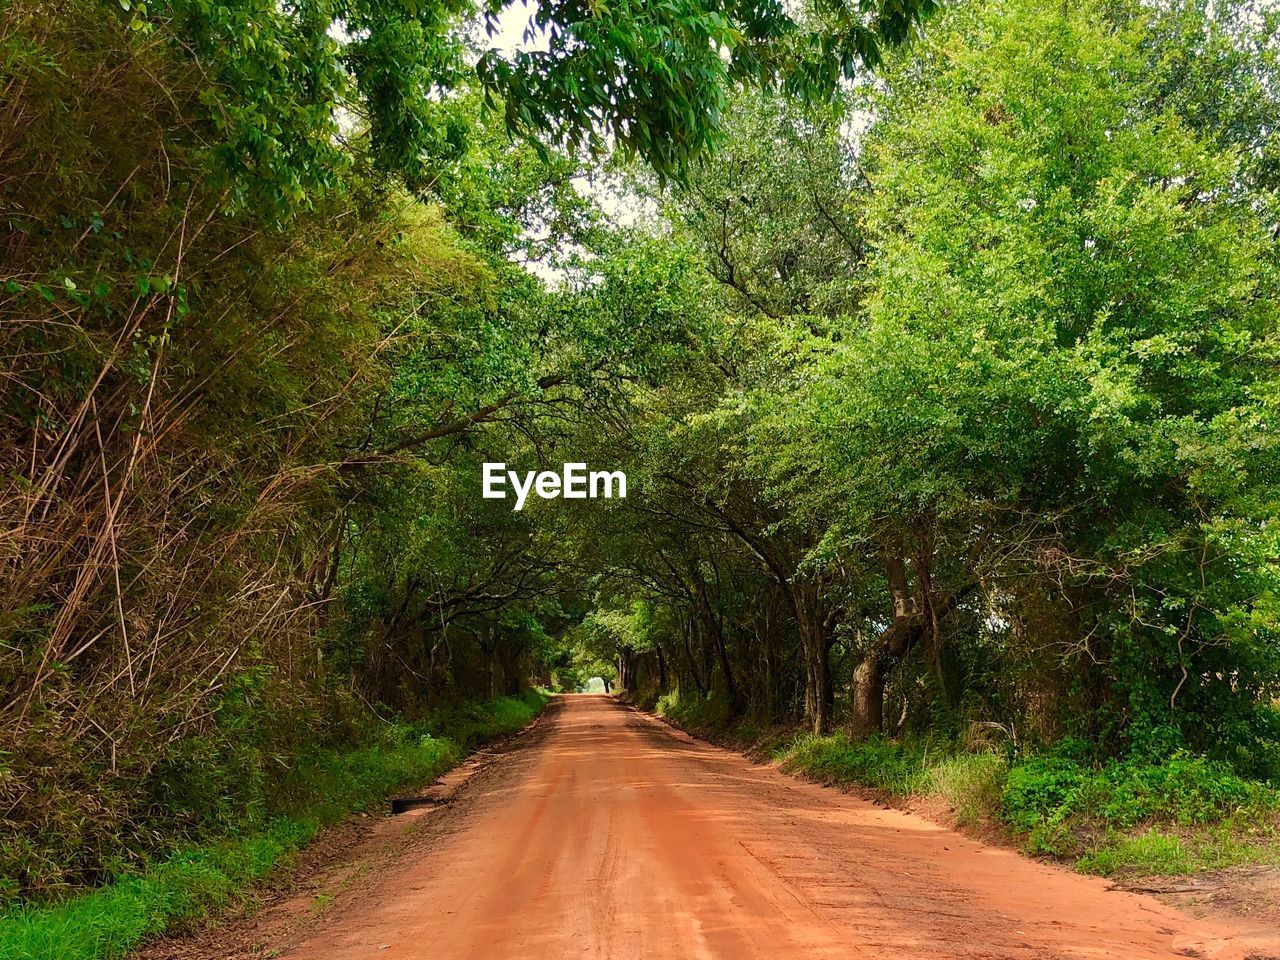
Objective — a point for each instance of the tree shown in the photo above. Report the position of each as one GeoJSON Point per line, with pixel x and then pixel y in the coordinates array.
{"type": "Point", "coordinates": [288, 84]}
{"type": "Point", "coordinates": [1069, 321]}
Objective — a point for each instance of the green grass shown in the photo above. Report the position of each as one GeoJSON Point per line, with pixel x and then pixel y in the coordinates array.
{"type": "Point", "coordinates": [970, 783]}
{"type": "Point", "coordinates": [694, 712]}
{"type": "Point", "coordinates": [475, 723]}
{"type": "Point", "coordinates": [200, 883]}
{"type": "Point", "coordinates": [878, 763]}
{"type": "Point", "coordinates": [1154, 851]}
{"type": "Point", "coordinates": [1185, 814]}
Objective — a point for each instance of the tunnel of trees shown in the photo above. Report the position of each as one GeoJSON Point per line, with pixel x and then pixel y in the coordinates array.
{"type": "Point", "coordinates": [944, 375]}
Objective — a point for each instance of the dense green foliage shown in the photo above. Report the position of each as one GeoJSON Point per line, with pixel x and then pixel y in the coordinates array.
{"type": "Point", "coordinates": [990, 431]}
{"type": "Point", "coordinates": [984, 449]}
{"type": "Point", "coordinates": [948, 400]}
{"type": "Point", "coordinates": [267, 304]}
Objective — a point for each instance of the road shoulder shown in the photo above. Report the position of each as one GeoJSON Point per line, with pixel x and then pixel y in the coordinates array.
{"type": "Point", "coordinates": [1244, 897]}
{"type": "Point", "coordinates": [347, 860]}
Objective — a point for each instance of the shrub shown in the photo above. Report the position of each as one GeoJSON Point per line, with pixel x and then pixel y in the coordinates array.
{"type": "Point", "coordinates": [472, 723]}
{"type": "Point", "coordinates": [667, 704]}
{"type": "Point", "coordinates": [877, 762]}
{"type": "Point", "coordinates": [1040, 788]}
{"type": "Point", "coordinates": [1184, 789]}
{"type": "Point", "coordinates": [694, 710]}
{"type": "Point", "coordinates": [1062, 804]}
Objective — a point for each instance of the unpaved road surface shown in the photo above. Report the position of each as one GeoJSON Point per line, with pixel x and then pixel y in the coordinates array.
{"type": "Point", "coordinates": [612, 836]}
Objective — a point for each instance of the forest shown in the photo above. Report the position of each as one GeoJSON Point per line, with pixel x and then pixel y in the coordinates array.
{"type": "Point", "coordinates": [938, 345]}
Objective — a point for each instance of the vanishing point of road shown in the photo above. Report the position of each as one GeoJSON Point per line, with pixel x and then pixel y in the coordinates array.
{"type": "Point", "coordinates": [603, 833]}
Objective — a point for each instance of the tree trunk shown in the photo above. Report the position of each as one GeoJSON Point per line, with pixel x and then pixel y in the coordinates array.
{"type": "Point", "coordinates": [623, 679]}
{"type": "Point", "coordinates": [690, 626]}
{"type": "Point", "coordinates": [868, 696]}
{"type": "Point", "coordinates": [910, 625]}
{"type": "Point", "coordinates": [731, 688]}
{"type": "Point", "coordinates": [870, 675]}
{"type": "Point", "coordinates": [817, 679]}
{"type": "Point", "coordinates": [817, 710]}
{"type": "Point", "coordinates": [816, 623]}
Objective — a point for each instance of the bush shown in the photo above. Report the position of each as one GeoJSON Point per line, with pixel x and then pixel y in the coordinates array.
{"type": "Point", "coordinates": [478, 721]}
{"type": "Point", "coordinates": [1039, 789]}
{"type": "Point", "coordinates": [1063, 805]}
{"type": "Point", "coordinates": [876, 762]}
{"type": "Point", "coordinates": [667, 704]}
{"type": "Point", "coordinates": [1184, 789]}
{"type": "Point", "coordinates": [694, 710]}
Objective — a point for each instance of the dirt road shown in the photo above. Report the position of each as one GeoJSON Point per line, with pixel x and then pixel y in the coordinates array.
{"type": "Point", "coordinates": [610, 835]}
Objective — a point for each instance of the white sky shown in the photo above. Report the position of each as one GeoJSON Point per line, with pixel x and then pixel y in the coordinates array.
{"type": "Point", "coordinates": [512, 22]}
{"type": "Point", "coordinates": [621, 207]}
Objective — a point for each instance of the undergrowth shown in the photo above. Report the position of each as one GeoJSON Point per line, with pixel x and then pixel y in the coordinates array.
{"type": "Point", "coordinates": [194, 884]}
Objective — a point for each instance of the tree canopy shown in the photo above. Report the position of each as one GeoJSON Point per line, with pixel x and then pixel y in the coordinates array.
{"type": "Point", "coordinates": [940, 355]}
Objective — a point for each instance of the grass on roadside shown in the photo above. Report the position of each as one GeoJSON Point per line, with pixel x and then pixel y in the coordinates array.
{"type": "Point", "coordinates": [202, 882]}
{"type": "Point", "coordinates": [1184, 814]}
{"type": "Point", "coordinates": [969, 782]}
{"type": "Point", "coordinates": [1157, 851]}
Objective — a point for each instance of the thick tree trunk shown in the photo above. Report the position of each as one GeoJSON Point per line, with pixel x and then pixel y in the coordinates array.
{"type": "Point", "coordinates": [870, 676]}
{"type": "Point", "coordinates": [868, 696]}
{"type": "Point", "coordinates": [910, 625]}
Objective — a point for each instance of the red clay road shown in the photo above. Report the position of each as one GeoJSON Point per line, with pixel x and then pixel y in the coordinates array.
{"type": "Point", "coordinates": [611, 836]}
